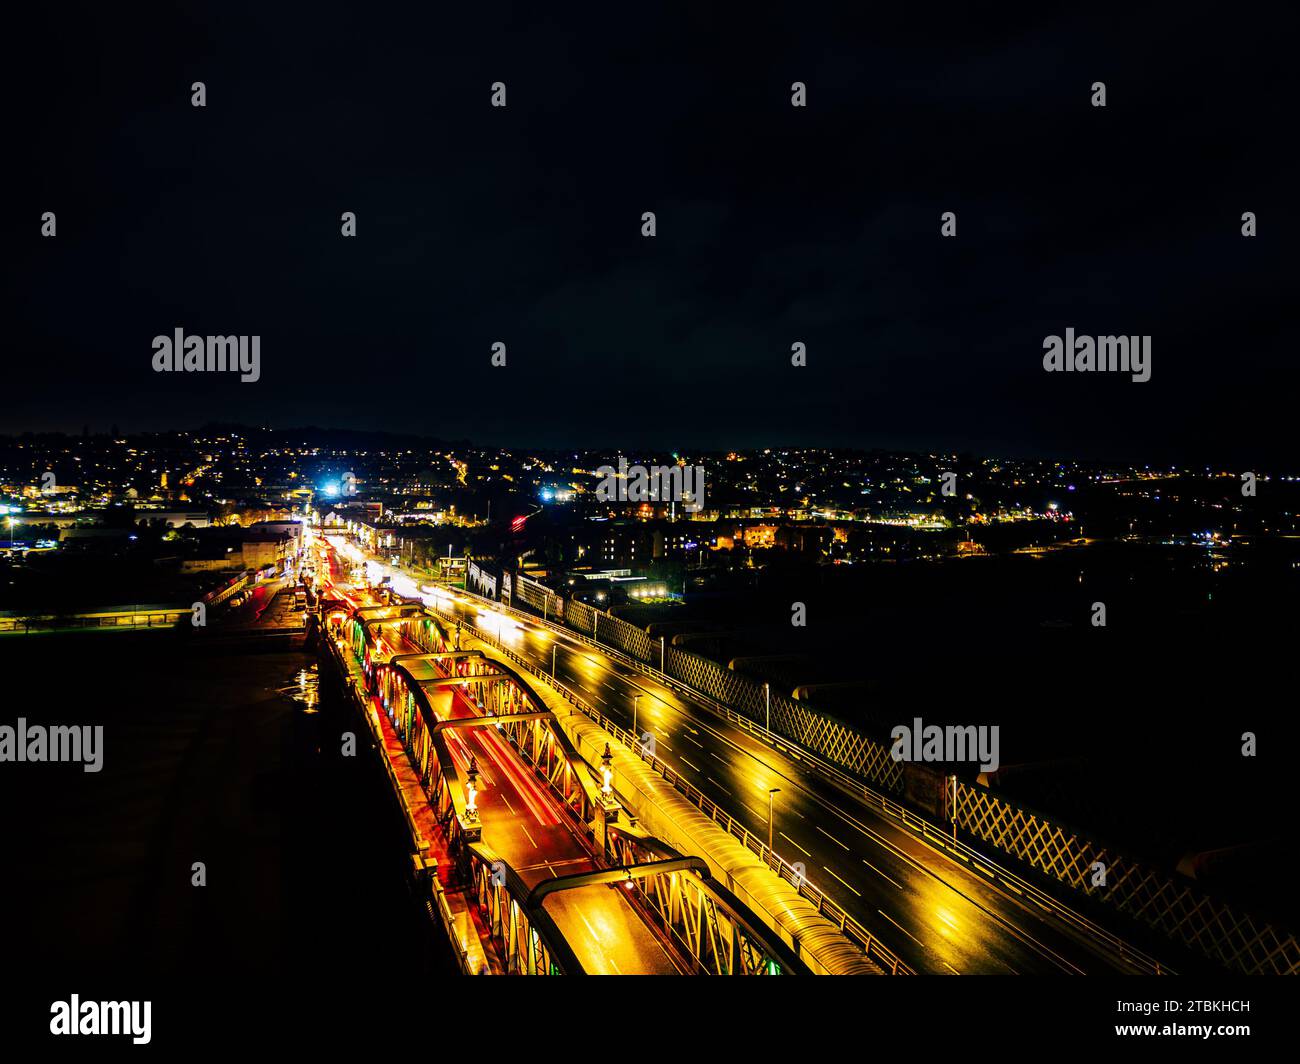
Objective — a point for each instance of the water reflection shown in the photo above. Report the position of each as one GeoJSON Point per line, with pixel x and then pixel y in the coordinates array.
{"type": "Point", "coordinates": [304, 691]}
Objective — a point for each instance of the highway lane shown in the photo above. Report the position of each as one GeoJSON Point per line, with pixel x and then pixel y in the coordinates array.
{"type": "Point", "coordinates": [937, 915]}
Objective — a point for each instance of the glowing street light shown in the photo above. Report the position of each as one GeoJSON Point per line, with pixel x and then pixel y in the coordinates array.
{"type": "Point", "coordinates": [606, 771]}
{"type": "Point", "coordinates": [471, 790]}
{"type": "Point", "coordinates": [608, 803]}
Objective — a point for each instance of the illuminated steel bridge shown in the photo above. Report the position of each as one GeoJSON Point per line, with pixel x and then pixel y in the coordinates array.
{"type": "Point", "coordinates": [532, 864]}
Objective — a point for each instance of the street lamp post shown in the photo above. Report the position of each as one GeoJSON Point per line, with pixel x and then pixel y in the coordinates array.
{"type": "Point", "coordinates": [661, 652]}
{"type": "Point", "coordinates": [554, 648]}
{"type": "Point", "coordinates": [471, 789]}
{"type": "Point", "coordinates": [771, 809]}
{"type": "Point", "coordinates": [608, 803]}
{"type": "Point", "coordinates": [767, 696]}
{"type": "Point", "coordinates": [606, 772]}
{"type": "Point", "coordinates": [954, 807]}
{"type": "Point", "coordinates": [470, 822]}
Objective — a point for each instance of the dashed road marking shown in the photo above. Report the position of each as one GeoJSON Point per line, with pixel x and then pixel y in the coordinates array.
{"type": "Point", "coordinates": [794, 844]}
{"type": "Point", "coordinates": [842, 881]}
{"type": "Point", "coordinates": [882, 874]}
{"type": "Point", "coordinates": [901, 928]}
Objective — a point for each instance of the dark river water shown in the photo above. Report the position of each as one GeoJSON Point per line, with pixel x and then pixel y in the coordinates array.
{"type": "Point", "coordinates": [226, 757]}
{"type": "Point", "coordinates": [1131, 730]}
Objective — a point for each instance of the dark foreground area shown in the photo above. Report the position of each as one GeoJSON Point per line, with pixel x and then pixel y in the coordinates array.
{"type": "Point", "coordinates": [222, 756]}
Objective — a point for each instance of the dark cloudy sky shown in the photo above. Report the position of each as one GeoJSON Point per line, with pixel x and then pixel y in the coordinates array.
{"type": "Point", "coordinates": [774, 224]}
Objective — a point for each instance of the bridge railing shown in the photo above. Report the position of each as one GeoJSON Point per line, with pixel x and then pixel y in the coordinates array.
{"type": "Point", "coordinates": [1147, 894]}
{"type": "Point", "coordinates": [681, 903]}
{"type": "Point", "coordinates": [872, 946]}
{"type": "Point", "coordinates": [501, 899]}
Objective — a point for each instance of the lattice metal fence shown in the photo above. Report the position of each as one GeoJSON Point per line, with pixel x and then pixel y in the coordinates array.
{"type": "Point", "coordinates": [1155, 898]}
{"type": "Point", "coordinates": [579, 615]}
{"type": "Point", "coordinates": [628, 638]}
{"type": "Point", "coordinates": [538, 596]}
{"type": "Point", "coordinates": [797, 721]}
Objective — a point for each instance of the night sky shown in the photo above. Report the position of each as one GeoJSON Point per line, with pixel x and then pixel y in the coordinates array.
{"type": "Point", "coordinates": [775, 224]}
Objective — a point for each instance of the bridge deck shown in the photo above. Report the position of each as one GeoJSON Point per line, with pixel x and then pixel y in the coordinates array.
{"type": "Point", "coordinates": [599, 923]}
{"type": "Point", "coordinates": [530, 830]}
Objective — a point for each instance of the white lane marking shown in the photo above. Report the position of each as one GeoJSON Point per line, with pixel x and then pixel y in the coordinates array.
{"type": "Point", "coordinates": [951, 968]}
{"type": "Point", "coordinates": [794, 844]}
{"type": "Point", "coordinates": [842, 881]}
{"type": "Point", "coordinates": [530, 838]}
{"type": "Point", "coordinates": [508, 805]}
{"type": "Point", "coordinates": [901, 928]}
{"type": "Point", "coordinates": [716, 783]}
{"type": "Point", "coordinates": [723, 760]}
{"type": "Point", "coordinates": [830, 836]}
{"type": "Point", "coordinates": [882, 874]}
{"type": "Point", "coordinates": [685, 762]}
{"type": "Point", "coordinates": [696, 742]}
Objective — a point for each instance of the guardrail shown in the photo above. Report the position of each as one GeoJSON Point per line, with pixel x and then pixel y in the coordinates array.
{"type": "Point", "coordinates": [215, 598]}
{"type": "Point", "coordinates": [923, 829]}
